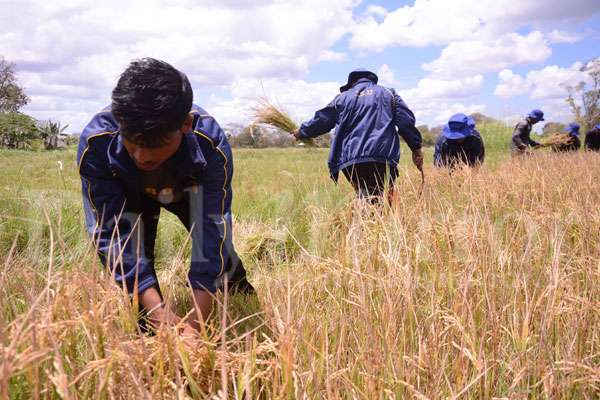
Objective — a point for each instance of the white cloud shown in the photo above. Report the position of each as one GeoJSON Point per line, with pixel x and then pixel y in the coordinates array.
{"type": "Point", "coordinates": [298, 97]}
{"type": "Point", "coordinates": [431, 89]}
{"type": "Point", "coordinates": [551, 82]}
{"type": "Point", "coordinates": [328, 55]}
{"type": "Point", "coordinates": [434, 101]}
{"type": "Point", "coordinates": [77, 49]}
{"type": "Point", "coordinates": [440, 22]}
{"type": "Point", "coordinates": [558, 36]}
{"type": "Point", "coordinates": [547, 87]}
{"type": "Point", "coordinates": [449, 110]}
{"type": "Point", "coordinates": [547, 83]}
{"type": "Point", "coordinates": [466, 58]}
{"type": "Point", "coordinates": [387, 76]}
{"type": "Point", "coordinates": [510, 84]}
{"type": "Point", "coordinates": [377, 11]}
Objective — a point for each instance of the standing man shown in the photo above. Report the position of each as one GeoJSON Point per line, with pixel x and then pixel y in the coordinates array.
{"type": "Point", "coordinates": [152, 149]}
{"type": "Point", "coordinates": [592, 139]}
{"type": "Point", "coordinates": [521, 139]}
{"type": "Point", "coordinates": [459, 143]}
{"type": "Point", "coordinates": [574, 143]}
{"type": "Point", "coordinates": [369, 120]}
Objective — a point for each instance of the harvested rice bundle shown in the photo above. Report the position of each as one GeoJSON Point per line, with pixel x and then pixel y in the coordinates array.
{"type": "Point", "coordinates": [558, 139]}
{"type": "Point", "coordinates": [268, 114]}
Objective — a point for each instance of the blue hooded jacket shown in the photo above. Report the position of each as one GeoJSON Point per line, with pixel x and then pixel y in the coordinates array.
{"type": "Point", "coordinates": [368, 119]}
{"type": "Point", "coordinates": [112, 191]}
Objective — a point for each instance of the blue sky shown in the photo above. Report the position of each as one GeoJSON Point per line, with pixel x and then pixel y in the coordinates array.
{"type": "Point", "coordinates": [499, 57]}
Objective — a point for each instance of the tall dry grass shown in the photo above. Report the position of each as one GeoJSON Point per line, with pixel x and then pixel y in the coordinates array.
{"type": "Point", "coordinates": [484, 286]}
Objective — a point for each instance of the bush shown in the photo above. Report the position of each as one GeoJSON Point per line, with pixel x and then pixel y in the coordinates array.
{"type": "Point", "coordinates": [17, 130]}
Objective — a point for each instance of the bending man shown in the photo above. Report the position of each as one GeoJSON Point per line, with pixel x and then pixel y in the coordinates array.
{"type": "Point", "coordinates": [459, 143]}
{"type": "Point", "coordinates": [154, 149]}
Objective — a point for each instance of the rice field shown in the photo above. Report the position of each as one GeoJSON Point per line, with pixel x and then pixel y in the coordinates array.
{"type": "Point", "coordinates": [484, 286]}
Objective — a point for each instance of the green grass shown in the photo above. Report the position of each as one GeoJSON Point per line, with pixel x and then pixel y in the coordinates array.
{"type": "Point", "coordinates": [484, 286]}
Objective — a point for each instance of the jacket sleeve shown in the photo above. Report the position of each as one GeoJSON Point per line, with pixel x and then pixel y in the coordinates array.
{"type": "Point", "coordinates": [404, 119]}
{"type": "Point", "coordinates": [532, 142]}
{"type": "Point", "coordinates": [324, 121]}
{"type": "Point", "coordinates": [117, 234]}
{"type": "Point", "coordinates": [213, 253]}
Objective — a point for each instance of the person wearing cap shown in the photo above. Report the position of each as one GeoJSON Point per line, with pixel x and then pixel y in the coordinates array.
{"type": "Point", "coordinates": [521, 139]}
{"type": "Point", "coordinates": [574, 143]}
{"type": "Point", "coordinates": [592, 139]}
{"type": "Point", "coordinates": [459, 143]}
{"type": "Point", "coordinates": [369, 121]}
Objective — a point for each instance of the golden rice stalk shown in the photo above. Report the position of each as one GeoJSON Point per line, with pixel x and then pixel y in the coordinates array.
{"type": "Point", "coordinates": [267, 113]}
{"type": "Point", "coordinates": [557, 139]}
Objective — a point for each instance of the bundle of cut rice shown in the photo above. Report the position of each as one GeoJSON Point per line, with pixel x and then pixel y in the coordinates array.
{"type": "Point", "coordinates": [268, 114]}
{"type": "Point", "coordinates": [557, 139]}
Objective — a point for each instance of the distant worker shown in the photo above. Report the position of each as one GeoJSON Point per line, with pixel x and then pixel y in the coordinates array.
{"type": "Point", "coordinates": [521, 139]}
{"type": "Point", "coordinates": [459, 143]}
{"type": "Point", "coordinates": [592, 139]}
{"type": "Point", "coordinates": [369, 121]}
{"type": "Point", "coordinates": [573, 142]}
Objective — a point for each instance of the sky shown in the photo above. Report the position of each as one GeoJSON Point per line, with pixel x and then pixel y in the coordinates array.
{"type": "Point", "coordinates": [499, 57]}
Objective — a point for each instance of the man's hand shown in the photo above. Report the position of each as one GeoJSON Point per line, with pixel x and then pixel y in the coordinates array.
{"type": "Point", "coordinates": [296, 133]}
{"type": "Point", "coordinates": [158, 312]}
{"type": "Point", "coordinates": [417, 158]}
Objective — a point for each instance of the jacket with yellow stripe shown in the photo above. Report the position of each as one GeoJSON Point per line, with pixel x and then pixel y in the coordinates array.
{"type": "Point", "coordinates": [112, 194]}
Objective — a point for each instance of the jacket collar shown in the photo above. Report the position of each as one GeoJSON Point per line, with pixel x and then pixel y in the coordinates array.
{"type": "Point", "coordinates": [362, 81]}
{"type": "Point", "coordinates": [188, 158]}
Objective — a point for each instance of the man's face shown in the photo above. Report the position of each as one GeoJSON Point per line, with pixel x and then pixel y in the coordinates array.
{"type": "Point", "coordinates": [150, 158]}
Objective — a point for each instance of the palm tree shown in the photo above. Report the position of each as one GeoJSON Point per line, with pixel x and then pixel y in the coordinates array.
{"type": "Point", "coordinates": [50, 132]}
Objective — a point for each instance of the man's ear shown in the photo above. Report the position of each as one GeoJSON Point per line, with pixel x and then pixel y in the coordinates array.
{"type": "Point", "coordinates": [186, 127]}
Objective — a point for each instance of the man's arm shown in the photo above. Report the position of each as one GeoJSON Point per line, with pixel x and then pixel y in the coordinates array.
{"type": "Point", "coordinates": [532, 142]}
{"type": "Point", "coordinates": [213, 254]}
{"type": "Point", "coordinates": [404, 119]}
{"type": "Point", "coordinates": [117, 235]}
{"type": "Point", "coordinates": [324, 121]}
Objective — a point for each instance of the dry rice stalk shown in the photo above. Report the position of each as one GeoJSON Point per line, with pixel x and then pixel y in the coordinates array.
{"type": "Point", "coordinates": [268, 114]}
{"type": "Point", "coordinates": [557, 139]}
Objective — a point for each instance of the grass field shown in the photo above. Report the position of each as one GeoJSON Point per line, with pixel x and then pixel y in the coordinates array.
{"type": "Point", "coordinates": [485, 286]}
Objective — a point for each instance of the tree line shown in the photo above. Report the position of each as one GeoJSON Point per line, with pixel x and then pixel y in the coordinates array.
{"type": "Point", "coordinates": [19, 130]}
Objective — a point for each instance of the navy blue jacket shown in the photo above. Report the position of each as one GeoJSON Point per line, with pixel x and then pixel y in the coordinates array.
{"type": "Point", "coordinates": [449, 153]}
{"type": "Point", "coordinates": [592, 139]}
{"type": "Point", "coordinates": [111, 188]}
{"type": "Point", "coordinates": [365, 118]}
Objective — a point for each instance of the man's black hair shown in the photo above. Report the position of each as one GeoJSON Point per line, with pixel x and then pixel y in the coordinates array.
{"type": "Point", "coordinates": [151, 100]}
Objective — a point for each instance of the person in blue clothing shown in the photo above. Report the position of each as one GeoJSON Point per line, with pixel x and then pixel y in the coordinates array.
{"type": "Point", "coordinates": [152, 149]}
{"type": "Point", "coordinates": [574, 142]}
{"type": "Point", "coordinates": [369, 120]}
{"type": "Point", "coordinates": [592, 139]}
{"type": "Point", "coordinates": [521, 139]}
{"type": "Point", "coordinates": [459, 143]}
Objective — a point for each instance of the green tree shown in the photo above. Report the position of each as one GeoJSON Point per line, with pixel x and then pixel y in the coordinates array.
{"type": "Point", "coordinates": [12, 96]}
{"type": "Point", "coordinates": [17, 130]}
{"type": "Point", "coordinates": [584, 98]}
{"type": "Point", "coordinates": [553, 127]}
